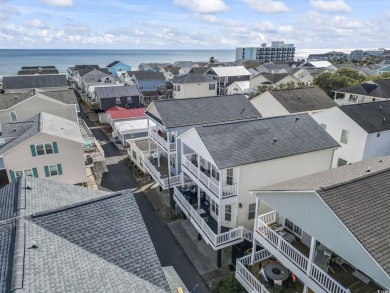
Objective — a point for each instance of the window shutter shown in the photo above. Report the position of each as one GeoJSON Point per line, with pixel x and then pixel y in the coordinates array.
{"type": "Point", "coordinates": [35, 172]}
{"type": "Point", "coordinates": [55, 147]}
{"type": "Point", "coordinates": [33, 151]}
{"type": "Point", "coordinates": [47, 172]}
{"type": "Point", "coordinates": [59, 168]}
{"type": "Point", "coordinates": [12, 174]}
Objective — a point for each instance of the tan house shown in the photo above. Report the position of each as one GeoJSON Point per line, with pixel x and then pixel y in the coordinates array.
{"type": "Point", "coordinates": [46, 147]}
{"type": "Point", "coordinates": [273, 80]}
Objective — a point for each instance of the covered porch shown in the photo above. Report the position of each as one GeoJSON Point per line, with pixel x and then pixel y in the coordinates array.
{"type": "Point", "coordinates": [93, 152]}
{"type": "Point", "coordinates": [319, 263]}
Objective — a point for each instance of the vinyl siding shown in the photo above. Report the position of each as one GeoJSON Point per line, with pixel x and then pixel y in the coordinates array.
{"type": "Point", "coordinates": [268, 106]}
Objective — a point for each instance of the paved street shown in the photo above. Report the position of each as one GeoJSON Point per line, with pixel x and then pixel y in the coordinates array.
{"type": "Point", "coordinates": [118, 177]}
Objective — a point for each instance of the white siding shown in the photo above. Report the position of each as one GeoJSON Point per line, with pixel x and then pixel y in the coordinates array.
{"type": "Point", "coordinates": [377, 146]}
{"type": "Point", "coordinates": [268, 106]}
{"type": "Point", "coordinates": [195, 90]}
{"type": "Point", "coordinates": [308, 211]}
{"type": "Point", "coordinates": [271, 172]}
{"type": "Point", "coordinates": [33, 106]}
{"type": "Point", "coordinates": [335, 121]}
{"type": "Point", "coordinates": [70, 155]}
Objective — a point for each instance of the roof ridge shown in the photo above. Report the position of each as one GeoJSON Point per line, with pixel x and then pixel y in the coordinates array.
{"type": "Point", "coordinates": [361, 177]}
{"type": "Point", "coordinates": [197, 98]}
{"type": "Point", "coordinates": [78, 204]}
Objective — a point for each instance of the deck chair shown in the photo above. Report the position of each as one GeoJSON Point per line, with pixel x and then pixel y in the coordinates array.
{"type": "Point", "coordinates": [322, 257]}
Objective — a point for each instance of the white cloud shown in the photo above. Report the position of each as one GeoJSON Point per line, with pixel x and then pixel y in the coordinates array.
{"type": "Point", "coordinates": [266, 6]}
{"type": "Point", "coordinates": [206, 17]}
{"type": "Point", "coordinates": [37, 23]}
{"type": "Point", "coordinates": [137, 32]}
{"type": "Point", "coordinates": [265, 26]}
{"type": "Point", "coordinates": [203, 6]}
{"type": "Point", "coordinates": [284, 29]}
{"type": "Point", "coordinates": [59, 2]}
{"type": "Point", "coordinates": [330, 6]}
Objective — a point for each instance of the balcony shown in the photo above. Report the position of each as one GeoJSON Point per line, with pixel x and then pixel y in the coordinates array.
{"type": "Point", "coordinates": [159, 172]}
{"type": "Point", "coordinates": [334, 276]}
{"type": "Point", "coordinates": [207, 182]}
{"type": "Point", "coordinates": [204, 223]}
{"type": "Point", "coordinates": [161, 139]}
{"type": "Point", "coordinates": [93, 152]}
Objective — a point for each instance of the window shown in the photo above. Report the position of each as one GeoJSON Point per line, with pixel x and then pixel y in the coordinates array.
{"type": "Point", "coordinates": [214, 173]}
{"type": "Point", "coordinates": [211, 86]}
{"type": "Point", "coordinates": [292, 227]}
{"type": "Point", "coordinates": [27, 172]}
{"type": "Point", "coordinates": [129, 100]}
{"type": "Point", "coordinates": [44, 149]}
{"type": "Point", "coordinates": [229, 176]}
{"type": "Point", "coordinates": [118, 101]}
{"type": "Point", "coordinates": [252, 211]}
{"type": "Point", "coordinates": [323, 126]}
{"type": "Point", "coordinates": [13, 117]}
{"type": "Point", "coordinates": [341, 162]}
{"type": "Point", "coordinates": [344, 136]}
{"type": "Point", "coordinates": [228, 212]}
{"type": "Point", "coordinates": [178, 87]}
{"type": "Point", "coordinates": [134, 155]}
{"type": "Point", "coordinates": [141, 87]}
{"type": "Point", "coordinates": [53, 170]}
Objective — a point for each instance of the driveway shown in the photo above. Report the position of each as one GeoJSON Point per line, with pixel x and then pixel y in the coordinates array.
{"type": "Point", "coordinates": [119, 177]}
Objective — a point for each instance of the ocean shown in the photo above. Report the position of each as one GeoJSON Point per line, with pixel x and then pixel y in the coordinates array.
{"type": "Point", "coordinates": [11, 60]}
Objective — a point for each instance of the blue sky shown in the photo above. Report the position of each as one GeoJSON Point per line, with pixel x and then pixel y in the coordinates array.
{"type": "Point", "coordinates": [193, 24]}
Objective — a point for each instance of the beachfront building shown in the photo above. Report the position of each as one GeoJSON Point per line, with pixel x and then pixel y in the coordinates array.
{"type": "Point", "coordinates": [193, 85]}
{"type": "Point", "coordinates": [116, 114]}
{"type": "Point", "coordinates": [145, 80]}
{"type": "Point", "coordinates": [65, 238]}
{"type": "Point", "coordinates": [238, 88]}
{"type": "Point", "coordinates": [273, 80]}
{"type": "Point", "coordinates": [46, 146]}
{"type": "Point", "coordinates": [146, 97]}
{"type": "Point", "coordinates": [41, 83]}
{"type": "Point", "coordinates": [107, 97]}
{"type": "Point", "coordinates": [91, 74]}
{"type": "Point", "coordinates": [38, 70]}
{"type": "Point", "coordinates": [271, 67]}
{"type": "Point", "coordinates": [174, 117]}
{"type": "Point", "coordinates": [117, 66]}
{"type": "Point", "coordinates": [313, 232]}
{"type": "Point", "coordinates": [222, 162]}
{"type": "Point", "coordinates": [318, 66]}
{"type": "Point", "coordinates": [278, 51]}
{"type": "Point", "coordinates": [369, 91]}
{"type": "Point", "coordinates": [292, 101]}
{"type": "Point", "coordinates": [170, 71]}
{"type": "Point", "coordinates": [22, 107]}
{"type": "Point", "coordinates": [124, 130]}
{"type": "Point", "coordinates": [226, 75]}
{"type": "Point", "coordinates": [135, 148]}
{"type": "Point", "coordinates": [361, 129]}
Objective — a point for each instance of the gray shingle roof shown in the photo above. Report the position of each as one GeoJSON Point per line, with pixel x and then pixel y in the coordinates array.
{"type": "Point", "coordinates": [363, 206]}
{"type": "Point", "coordinates": [274, 77]}
{"type": "Point", "coordinates": [303, 99]}
{"type": "Point", "coordinates": [192, 78]}
{"type": "Point", "coordinates": [369, 116]}
{"type": "Point", "coordinates": [116, 91]}
{"type": "Point", "coordinates": [379, 88]}
{"type": "Point", "coordinates": [148, 75]}
{"type": "Point", "coordinates": [244, 142]}
{"type": "Point", "coordinates": [199, 70]}
{"type": "Point", "coordinates": [112, 64]}
{"type": "Point", "coordinates": [34, 81]}
{"type": "Point", "coordinates": [197, 111]}
{"type": "Point", "coordinates": [88, 69]}
{"type": "Point", "coordinates": [9, 100]}
{"type": "Point", "coordinates": [88, 241]}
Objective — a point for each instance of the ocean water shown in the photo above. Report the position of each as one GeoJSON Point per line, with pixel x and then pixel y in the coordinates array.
{"type": "Point", "coordinates": [12, 59]}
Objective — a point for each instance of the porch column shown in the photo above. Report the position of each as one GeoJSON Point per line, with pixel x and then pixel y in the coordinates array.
{"type": "Point", "coordinates": [219, 218]}
{"type": "Point", "coordinates": [254, 228]}
{"type": "Point", "coordinates": [147, 119]}
{"type": "Point", "coordinates": [219, 258]}
{"type": "Point", "coordinates": [305, 289]}
{"type": "Point", "coordinates": [311, 254]}
{"type": "Point", "coordinates": [158, 156]}
{"type": "Point", "coordinates": [220, 184]}
{"type": "Point", "coordinates": [198, 160]}
{"type": "Point", "coordinates": [198, 197]}
{"type": "Point", "coordinates": [182, 179]}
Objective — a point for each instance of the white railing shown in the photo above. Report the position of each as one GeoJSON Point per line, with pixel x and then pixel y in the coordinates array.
{"type": "Point", "coordinates": [293, 254]}
{"type": "Point", "coordinates": [99, 155]}
{"type": "Point", "coordinates": [164, 182]}
{"type": "Point", "coordinates": [326, 281]}
{"type": "Point", "coordinates": [227, 191]}
{"type": "Point", "coordinates": [217, 240]}
{"type": "Point", "coordinates": [268, 218]}
{"type": "Point", "coordinates": [249, 279]}
{"type": "Point", "coordinates": [268, 233]}
{"type": "Point", "coordinates": [261, 255]}
{"type": "Point", "coordinates": [155, 136]}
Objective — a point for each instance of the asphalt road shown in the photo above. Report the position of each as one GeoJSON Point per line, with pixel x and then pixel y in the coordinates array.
{"type": "Point", "coordinates": [169, 251]}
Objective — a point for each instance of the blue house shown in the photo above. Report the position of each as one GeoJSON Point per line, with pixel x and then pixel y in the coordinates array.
{"type": "Point", "coordinates": [118, 66]}
{"type": "Point", "coordinates": [146, 80]}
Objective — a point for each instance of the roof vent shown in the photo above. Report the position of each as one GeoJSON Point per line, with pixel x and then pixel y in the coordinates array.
{"type": "Point", "coordinates": [242, 110]}
{"type": "Point", "coordinates": [28, 185]}
{"type": "Point", "coordinates": [380, 109]}
{"type": "Point", "coordinates": [275, 140]}
{"type": "Point", "coordinates": [34, 245]}
{"type": "Point", "coordinates": [296, 119]}
{"type": "Point", "coordinates": [380, 160]}
{"type": "Point", "coordinates": [384, 120]}
{"type": "Point", "coordinates": [14, 130]}
{"type": "Point", "coordinates": [368, 170]}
